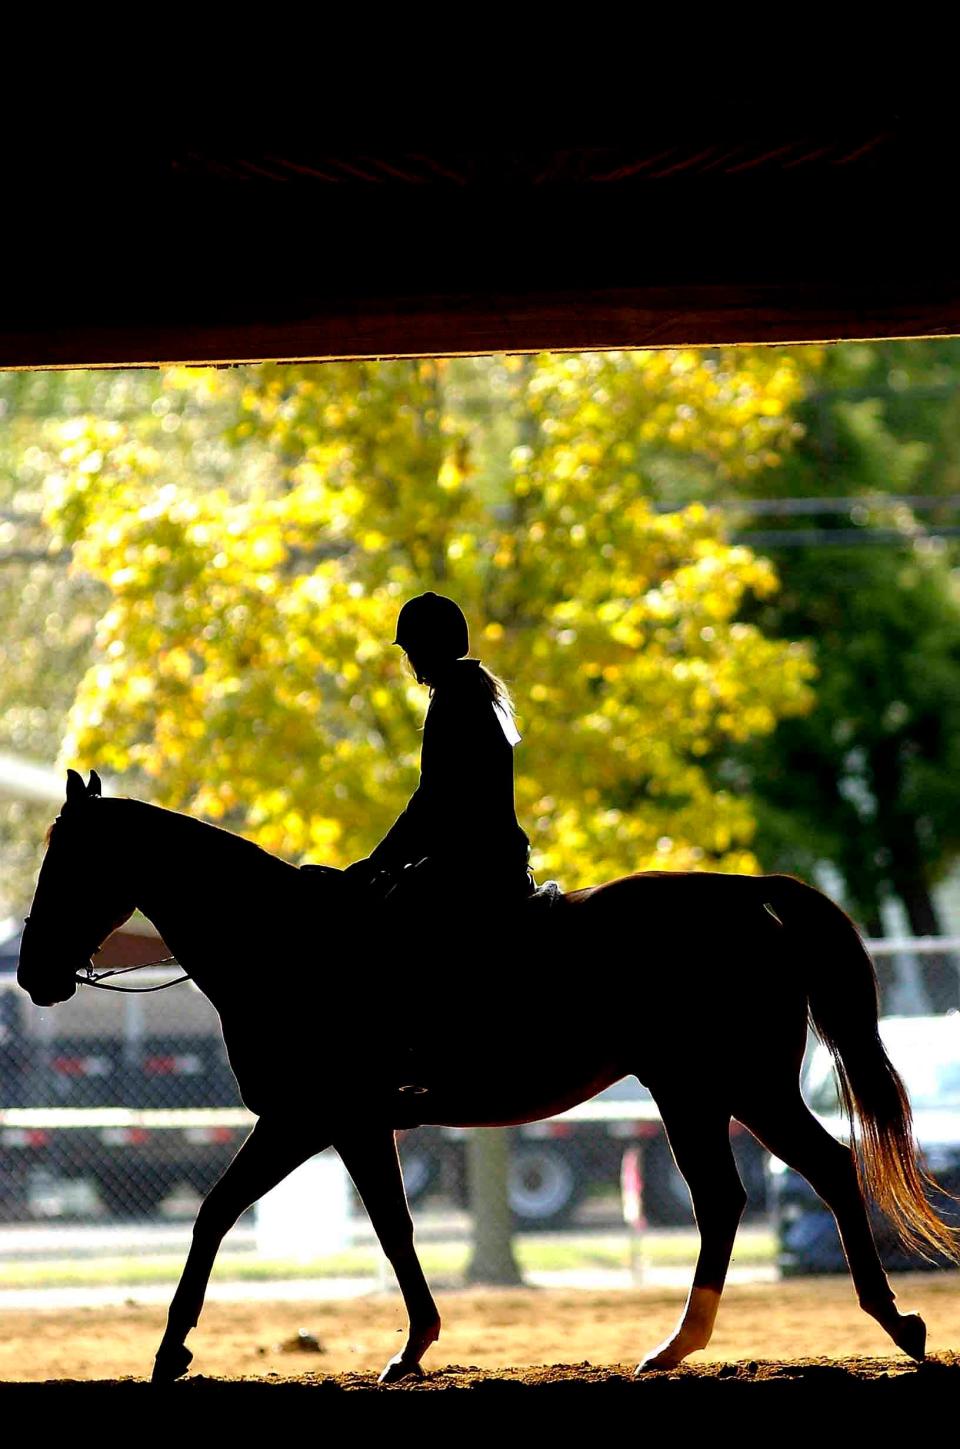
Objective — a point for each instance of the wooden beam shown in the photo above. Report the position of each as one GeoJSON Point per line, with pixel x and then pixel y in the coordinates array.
{"type": "Point", "coordinates": [756, 240]}
{"type": "Point", "coordinates": [468, 325]}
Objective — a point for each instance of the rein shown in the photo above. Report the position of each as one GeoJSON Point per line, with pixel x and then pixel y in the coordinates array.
{"type": "Point", "coordinates": [92, 978]}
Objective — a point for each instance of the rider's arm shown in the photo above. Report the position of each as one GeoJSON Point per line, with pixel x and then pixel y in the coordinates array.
{"type": "Point", "coordinates": [404, 841]}
{"type": "Point", "coordinates": [454, 771]}
{"type": "Point", "coordinates": [444, 779]}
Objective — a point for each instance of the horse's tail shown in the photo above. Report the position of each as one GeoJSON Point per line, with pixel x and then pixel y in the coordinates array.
{"type": "Point", "coordinates": [843, 1005]}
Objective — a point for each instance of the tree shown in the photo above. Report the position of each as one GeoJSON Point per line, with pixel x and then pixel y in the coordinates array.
{"type": "Point", "coordinates": [50, 613]}
{"type": "Point", "coordinates": [247, 622]}
{"type": "Point", "coordinates": [869, 780]}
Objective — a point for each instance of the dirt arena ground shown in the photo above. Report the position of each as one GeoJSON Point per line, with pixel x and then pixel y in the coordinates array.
{"type": "Point", "coordinates": [524, 1348]}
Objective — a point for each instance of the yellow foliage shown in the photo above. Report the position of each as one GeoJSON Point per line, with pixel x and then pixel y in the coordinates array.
{"type": "Point", "coordinates": [244, 666]}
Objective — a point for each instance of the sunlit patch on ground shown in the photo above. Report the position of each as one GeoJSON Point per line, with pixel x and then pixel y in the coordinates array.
{"type": "Point", "coordinates": [484, 1330]}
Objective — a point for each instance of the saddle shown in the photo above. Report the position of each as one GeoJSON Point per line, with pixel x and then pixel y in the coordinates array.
{"type": "Point", "coordinates": [541, 899]}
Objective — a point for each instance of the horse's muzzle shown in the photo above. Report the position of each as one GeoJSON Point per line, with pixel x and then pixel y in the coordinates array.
{"type": "Point", "coordinates": [43, 998]}
{"type": "Point", "coordinates": [45, 993]}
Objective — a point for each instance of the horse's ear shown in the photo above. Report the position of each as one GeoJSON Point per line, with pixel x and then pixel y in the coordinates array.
{"type": "Point", "coordinates": [76, 789]}
{"type": "Point", "coordinates": [94, 787]}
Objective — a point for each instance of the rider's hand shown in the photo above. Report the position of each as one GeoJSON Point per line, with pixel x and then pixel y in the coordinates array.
{"type": "Point", "coordinates": [361, 873]}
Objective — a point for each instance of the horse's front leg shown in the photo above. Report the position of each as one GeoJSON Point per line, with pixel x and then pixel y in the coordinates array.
{"type": "Point", "coordinates": [370, 1157]}
{"type": "Point", "coordinates": [699, 1137]}
{"type": "Point", "coordinates": [270, 1152]}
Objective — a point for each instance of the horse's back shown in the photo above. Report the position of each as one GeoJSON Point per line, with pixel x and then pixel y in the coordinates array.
{"type": "Point", "coordinates": [690, 949]}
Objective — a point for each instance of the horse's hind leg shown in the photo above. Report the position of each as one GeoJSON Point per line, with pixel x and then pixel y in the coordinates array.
{"type": "Point", "coordinates": [370, 1157]}
{"type": "Point", "coordinates": [268, 1155]}
{"type": "Point", "coordinates": [699, 1137]}
{"type": "Point", "coordinates": [784, 1123]}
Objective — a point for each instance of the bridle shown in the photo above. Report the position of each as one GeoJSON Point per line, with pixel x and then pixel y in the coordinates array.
{"type": "Point", "coordinates": [90, 977]}
{"type": "Point", "coordinates": [98, 979]}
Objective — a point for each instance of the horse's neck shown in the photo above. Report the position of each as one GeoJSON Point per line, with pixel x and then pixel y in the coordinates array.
{"type": "Point", "coordinates": [163, 861]}
{"type": "Point", "coordinates": [196, 883]}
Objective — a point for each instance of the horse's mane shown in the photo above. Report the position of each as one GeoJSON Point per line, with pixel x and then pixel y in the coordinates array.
{"type": "Point", "coordinates": [214, 837]}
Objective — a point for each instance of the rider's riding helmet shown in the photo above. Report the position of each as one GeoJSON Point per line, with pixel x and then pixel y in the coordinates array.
{"type": "Point", "coordinates": [433, 625]}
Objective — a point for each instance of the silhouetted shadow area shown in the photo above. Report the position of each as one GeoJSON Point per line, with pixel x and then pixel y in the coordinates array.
{"type": "Point", "coordinates": [698, 984]}
{"type": "Point", "coordinates": [875, 1390]}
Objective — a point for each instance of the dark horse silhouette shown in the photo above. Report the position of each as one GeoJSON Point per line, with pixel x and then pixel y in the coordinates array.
{"type": "Point", "coordinates": [700, 984]}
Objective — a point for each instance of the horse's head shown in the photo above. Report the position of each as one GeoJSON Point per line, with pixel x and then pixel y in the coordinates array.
{"type": "Point", "coordinates": [78, 900]}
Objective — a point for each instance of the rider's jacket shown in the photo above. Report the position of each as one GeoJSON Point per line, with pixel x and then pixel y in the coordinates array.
{"type": "Point", "coordinates": [462, 815]}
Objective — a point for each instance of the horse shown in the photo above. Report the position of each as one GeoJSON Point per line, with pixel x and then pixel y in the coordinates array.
{"type": "Point", "coordinates": [698, 983]}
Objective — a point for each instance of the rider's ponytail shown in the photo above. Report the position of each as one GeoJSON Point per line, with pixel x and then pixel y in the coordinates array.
{"type": "Point", "coordinates": [499, 693]}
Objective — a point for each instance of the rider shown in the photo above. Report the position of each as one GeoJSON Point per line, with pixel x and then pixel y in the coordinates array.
{"type": "Point", "coordinates": [460, 823]}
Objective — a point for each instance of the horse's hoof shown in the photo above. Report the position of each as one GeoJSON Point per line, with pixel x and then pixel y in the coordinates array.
{"type": "Point", "coordinates": [396, 1371]}
{"type": "Point", "coordinates": [656, 1362]}
{"type": "Point", "coordinates": [652, 1365]}
{"type": "Point", "coordinates": [911, 1336]}
{"type": "Point", "coordinates": [171, 1363]}
{"type": "Point", "coordinates": [670, 1354]}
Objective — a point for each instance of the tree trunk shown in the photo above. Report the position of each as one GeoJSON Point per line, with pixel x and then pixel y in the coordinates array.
{"type": "Point", "coordinates": [492, 1260]}
{"type": "Point", "coordinates": [884, 967]}
{"type": "Point", "coordinates": [940, 977]}
{"type": "Point", "coordinates": [908, 873]}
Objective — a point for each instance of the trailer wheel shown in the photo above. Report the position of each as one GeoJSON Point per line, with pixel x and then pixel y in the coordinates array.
{"type": "Point", "coordinates": [543, 1186]}
{"type": "Point", "coordinates": [666, 1199]}
{"type": "Point", "coordinates": [421, 1168]}
{"type": "Point", "coordinates": [125, 1196]}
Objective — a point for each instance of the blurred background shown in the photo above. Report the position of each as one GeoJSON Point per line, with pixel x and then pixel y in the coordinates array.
{"type": "Point", "coordinates": [722, 587]}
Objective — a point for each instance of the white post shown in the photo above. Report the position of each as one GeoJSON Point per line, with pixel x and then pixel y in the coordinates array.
{"type": "Point", "coordinates": [306, 1216]}
{"type": "Point", "coordinates": [631, 1198]}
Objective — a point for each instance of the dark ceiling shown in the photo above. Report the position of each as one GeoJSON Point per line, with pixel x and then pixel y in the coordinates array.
{"type": "Point", "coordinates": [707, 233]}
